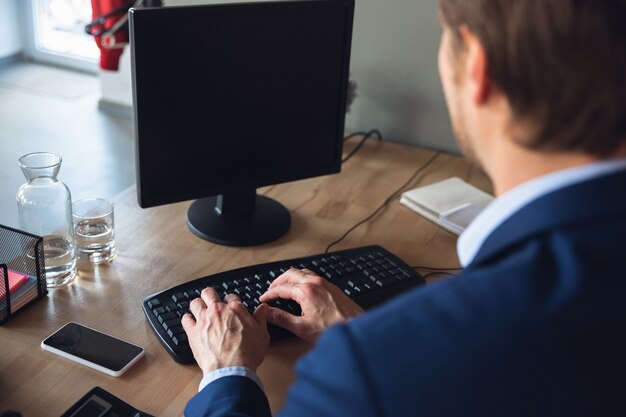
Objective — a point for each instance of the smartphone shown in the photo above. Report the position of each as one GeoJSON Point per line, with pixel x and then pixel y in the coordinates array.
{"type": "Point", "coordinates": [92, 348]}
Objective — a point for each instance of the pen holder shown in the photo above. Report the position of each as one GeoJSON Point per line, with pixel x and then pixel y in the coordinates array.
{"type": "Point", "coordinates": [22, 271]}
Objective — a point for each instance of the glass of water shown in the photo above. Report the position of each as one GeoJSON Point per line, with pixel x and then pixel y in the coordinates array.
{"type": "Point", "coordinates": [94, 232]}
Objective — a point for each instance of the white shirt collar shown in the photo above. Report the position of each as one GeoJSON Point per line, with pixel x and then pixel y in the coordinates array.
{"type": "Point", "coordinates": [509, 203]}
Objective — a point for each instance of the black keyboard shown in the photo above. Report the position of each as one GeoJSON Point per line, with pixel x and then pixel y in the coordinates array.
{"type": "Point", "coordinates": [369, 275]}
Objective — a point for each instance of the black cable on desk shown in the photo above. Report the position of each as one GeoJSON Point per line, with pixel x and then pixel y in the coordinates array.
{"type": "Point", "coordinates": [370, 133]}
{"type": "Point", "coordinates": [386, 202]}
{"type": "Point", "coordinates": [366, 136]}
{"type": "Point", "coordinates": [448, 274]}
{"type": "Point", "coordinates": [438, 271]}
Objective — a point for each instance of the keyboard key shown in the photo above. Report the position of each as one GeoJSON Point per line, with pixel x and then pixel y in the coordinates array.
{"type": "Point", "coordinates": [177, 298]}
{"type": "Point", "coordinates": [399, 274]}
{"type": "Point", "coordinates": [179, 339]}
{"type": "Point", "coordinates": [168, 324]}
{"type": "Point", "coordinates": [154, 303]}
{"type": "Point", "coordinates": [175, 330]}
{"type": "Point", "coordinates": [275, 274]}
{"type": "Point", "coordinates": [166, 317]}
{"type": "Point", "coordinates": [386, 281]}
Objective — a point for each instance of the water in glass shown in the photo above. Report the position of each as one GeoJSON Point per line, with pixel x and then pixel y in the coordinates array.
{"type": "Point", "coordinates": [93, 230]}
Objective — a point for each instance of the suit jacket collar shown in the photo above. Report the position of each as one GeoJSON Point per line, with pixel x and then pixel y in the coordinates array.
{"type": "Point", "coordinates": [602, 197]}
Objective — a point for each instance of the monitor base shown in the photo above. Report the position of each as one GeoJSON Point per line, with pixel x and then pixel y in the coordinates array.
{"type": "Point", "coordinates": [266, 221]}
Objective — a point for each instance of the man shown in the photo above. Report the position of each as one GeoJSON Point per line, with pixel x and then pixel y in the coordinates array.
{"type": "Point", "coordinates": [536, 323]}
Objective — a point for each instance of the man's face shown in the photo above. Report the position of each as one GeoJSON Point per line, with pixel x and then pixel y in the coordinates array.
{"type": "Point", "coordinates": [451, 61]}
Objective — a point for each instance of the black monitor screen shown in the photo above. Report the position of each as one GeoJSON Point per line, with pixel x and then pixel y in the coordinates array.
{"type": "Point", "coordinates": [236, 95]}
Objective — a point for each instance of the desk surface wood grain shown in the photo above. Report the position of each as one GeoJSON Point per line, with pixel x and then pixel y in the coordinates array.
{"type": "Point", "coordinates": [157, 251]}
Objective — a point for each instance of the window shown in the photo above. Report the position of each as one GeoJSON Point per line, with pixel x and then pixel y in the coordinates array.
{"type": "Point", "coordinates": [55, 33]}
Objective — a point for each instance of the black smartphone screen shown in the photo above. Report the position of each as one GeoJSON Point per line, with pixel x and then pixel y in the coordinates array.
{"type": "Point", "coordinates": [93, 346]}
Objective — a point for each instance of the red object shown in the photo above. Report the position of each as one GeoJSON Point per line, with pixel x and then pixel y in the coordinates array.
{"type": "Point", "coordinates": [15, 281]}
{"type": "Point", "coordinates": [110, 57]}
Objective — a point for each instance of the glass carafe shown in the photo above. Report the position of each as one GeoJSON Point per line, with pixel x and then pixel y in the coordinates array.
{"type": "Point", "coordinates": [45, 208]}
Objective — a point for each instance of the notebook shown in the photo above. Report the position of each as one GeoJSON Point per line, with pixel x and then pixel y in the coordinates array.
{"type": "Point", "coordinates": [452, 203]}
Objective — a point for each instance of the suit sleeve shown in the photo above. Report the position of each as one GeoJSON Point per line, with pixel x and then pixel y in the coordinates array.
{"type": "Point", "coordinates": [232, 396]}
{"type": "Point", "coordinates": [332, 381]}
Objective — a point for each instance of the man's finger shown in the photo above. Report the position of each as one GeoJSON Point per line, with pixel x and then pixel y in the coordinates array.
{"type": "Point", "coordinates": [292, 276]}
{"type": "Point", "coordinates": [187, 322]}
{"type": "Point", "coordinates": [196, 306]}
{"type": "Point", "coordinates": [283, 319]}
{"type": "Point", "coordinates": [209, 296]}
{"type": "Point", "coordinates": [229, 298]}
{"type": "Point", "coordinates": [286, 291]}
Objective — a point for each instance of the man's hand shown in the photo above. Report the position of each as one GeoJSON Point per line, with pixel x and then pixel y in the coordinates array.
{"type": "Point", "coordinates": [224, 333]}
{"type": "Point", "coordinates": [321, 302]}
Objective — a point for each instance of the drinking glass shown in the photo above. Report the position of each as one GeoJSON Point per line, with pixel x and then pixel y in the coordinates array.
{"type": "Point", "coordinates": [94, 230]}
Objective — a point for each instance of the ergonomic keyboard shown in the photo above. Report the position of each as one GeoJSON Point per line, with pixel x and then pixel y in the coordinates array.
{"type": "Point", "coordinates": [369, 275]}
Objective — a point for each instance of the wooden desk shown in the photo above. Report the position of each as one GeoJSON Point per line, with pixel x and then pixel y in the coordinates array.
{"type": "Point", "coordinates": [157, 251]}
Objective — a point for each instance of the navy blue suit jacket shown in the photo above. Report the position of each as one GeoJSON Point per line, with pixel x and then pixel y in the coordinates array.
{"type": "Point", "coordinates": [535, 326]}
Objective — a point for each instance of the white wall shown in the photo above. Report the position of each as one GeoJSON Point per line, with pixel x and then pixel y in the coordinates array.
{"type": "Point", "coordinates": [394, 62]}
{"type": "Point", "coordinates": [10, 41]}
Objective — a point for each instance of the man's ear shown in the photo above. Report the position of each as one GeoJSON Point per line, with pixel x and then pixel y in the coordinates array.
{"type": "Point", "coordinates": [476, 66]}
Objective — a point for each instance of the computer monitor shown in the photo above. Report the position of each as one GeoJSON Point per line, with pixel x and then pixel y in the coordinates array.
{"type": "Point", "coordinates": [232, 97]}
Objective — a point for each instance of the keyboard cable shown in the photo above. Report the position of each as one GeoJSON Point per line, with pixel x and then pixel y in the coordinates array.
{"type": "Point", "coordinates": [448, 272]}
{"type": "Point", "coordinates": [445, 274]}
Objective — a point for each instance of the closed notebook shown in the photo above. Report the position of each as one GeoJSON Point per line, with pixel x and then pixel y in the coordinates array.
{"type": "Point", "coordinates": [452, 203]}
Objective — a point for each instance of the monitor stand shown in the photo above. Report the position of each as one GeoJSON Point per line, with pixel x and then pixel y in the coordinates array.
{"type": "Point", "coordinates": [238, 218]}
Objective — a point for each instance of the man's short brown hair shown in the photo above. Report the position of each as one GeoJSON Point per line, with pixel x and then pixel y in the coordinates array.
{"type": "Point", "coordinates": [561, 64]}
